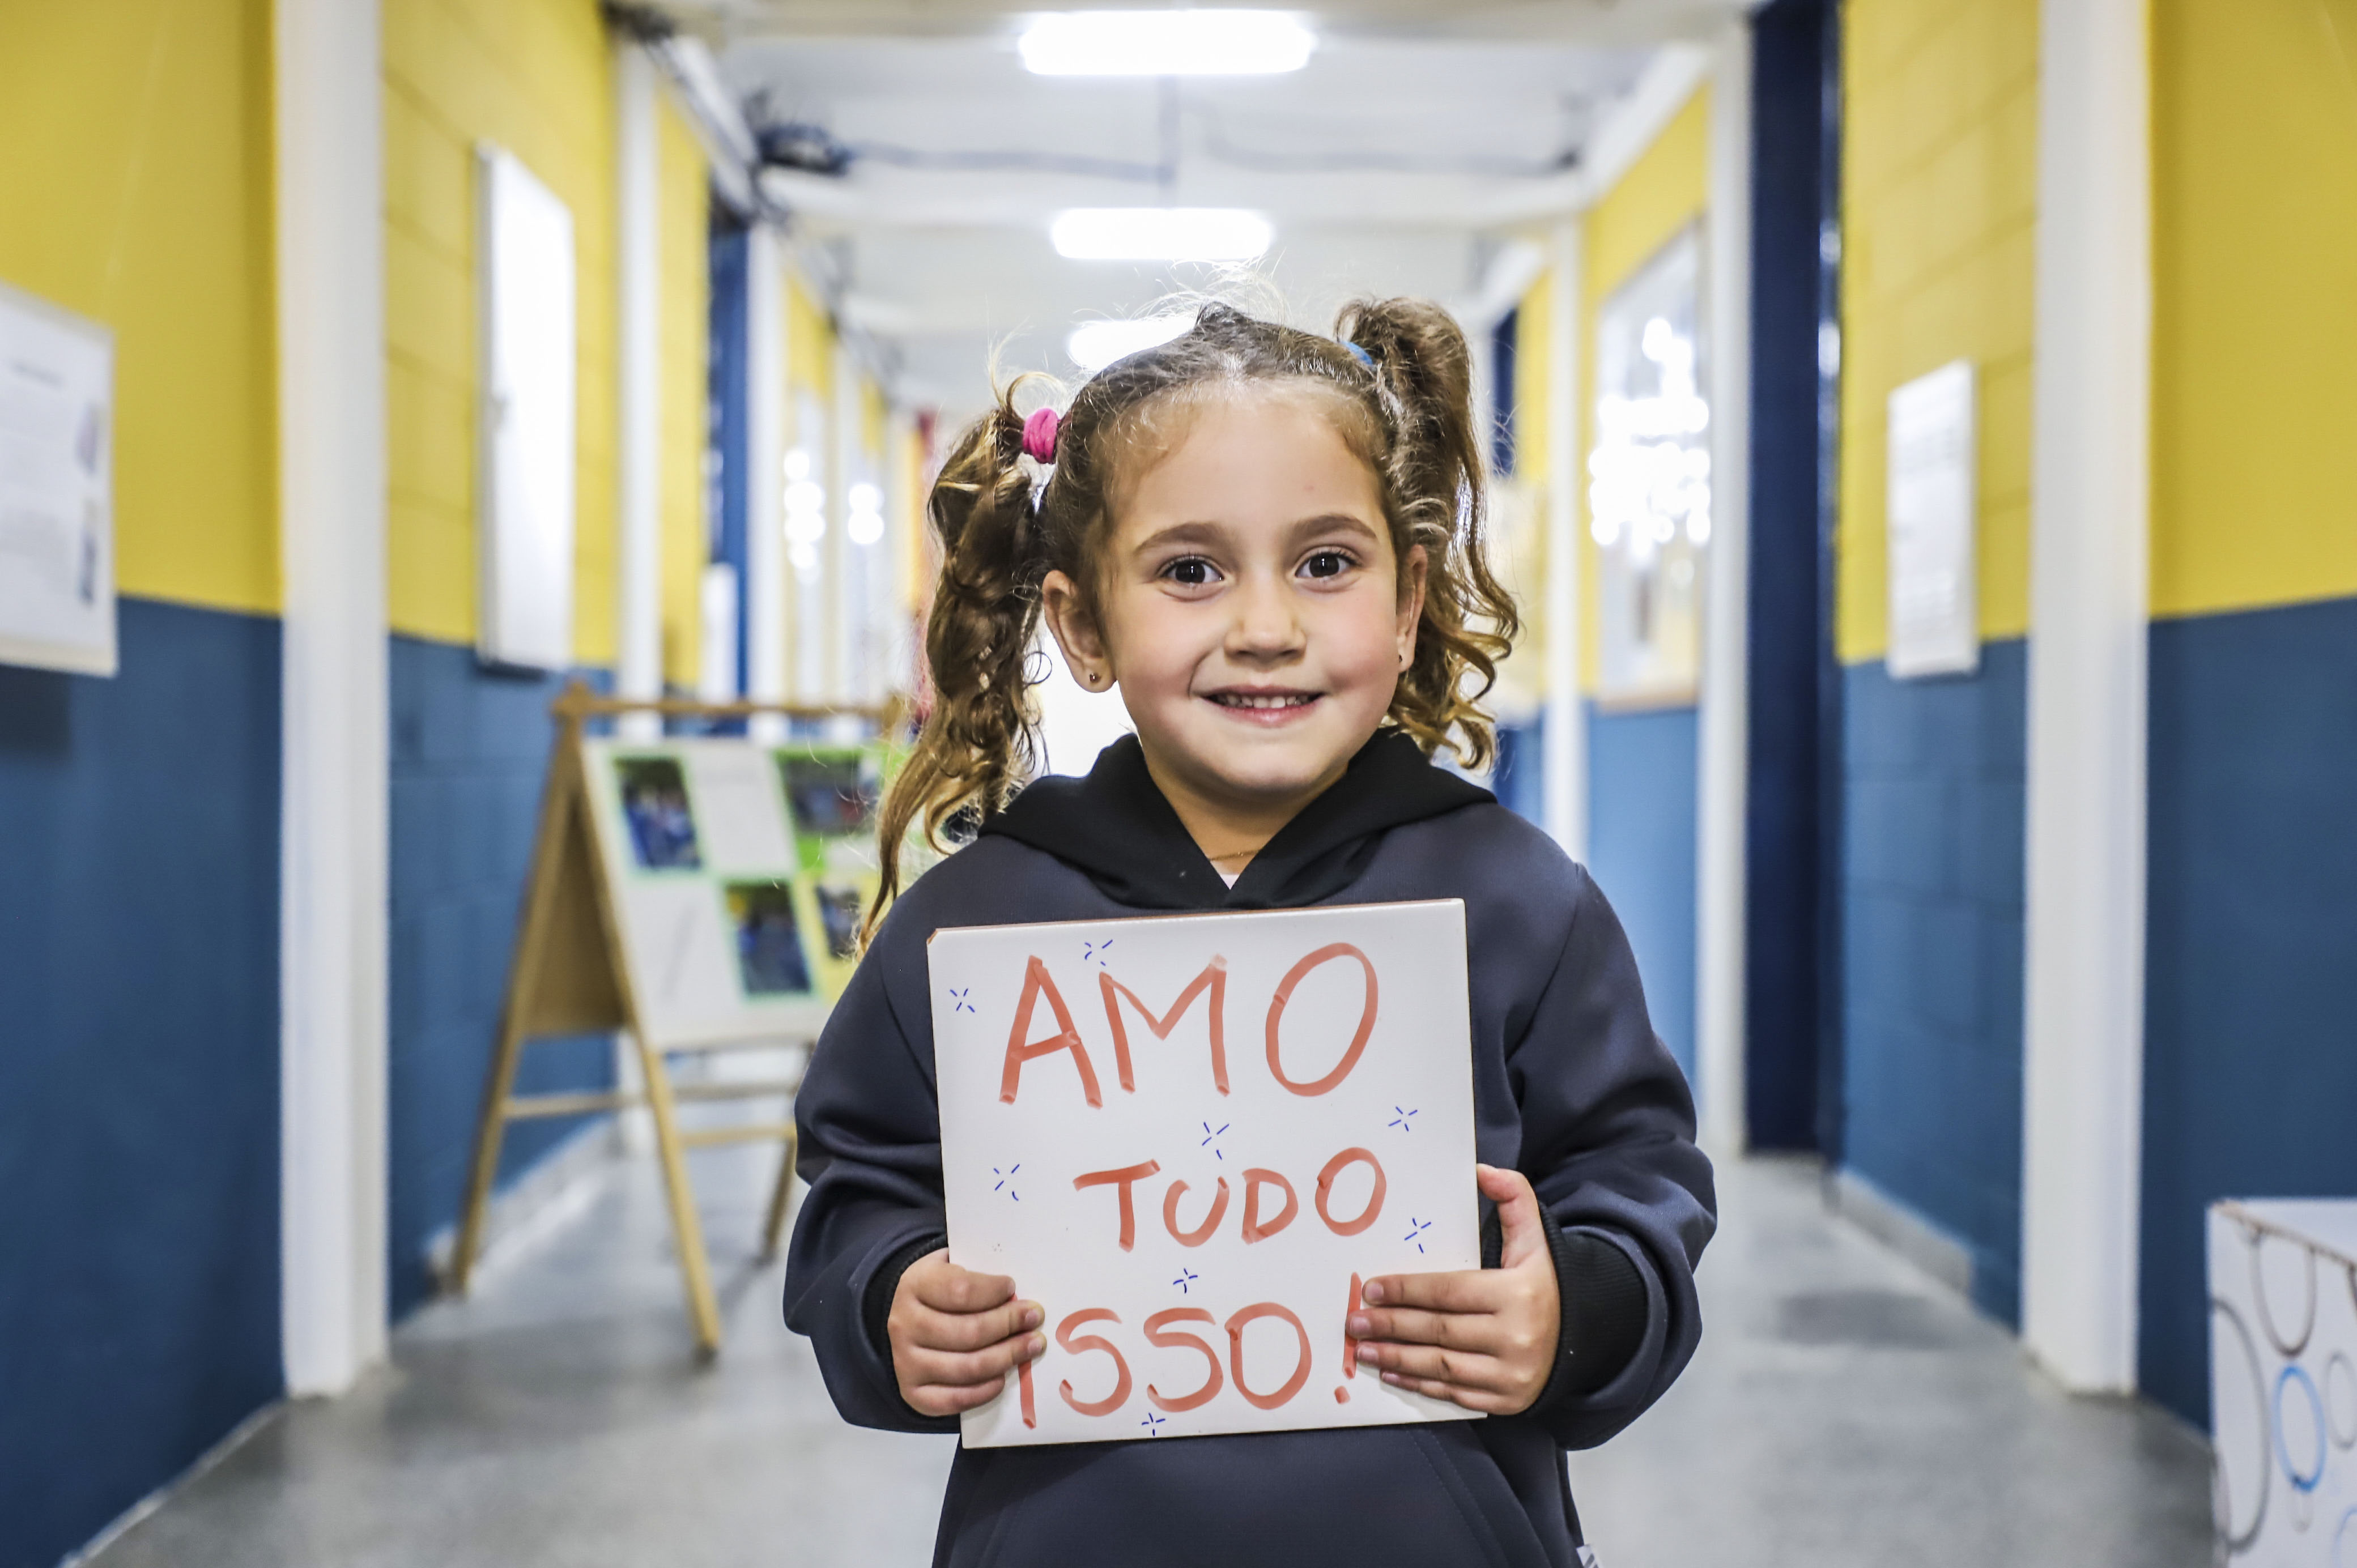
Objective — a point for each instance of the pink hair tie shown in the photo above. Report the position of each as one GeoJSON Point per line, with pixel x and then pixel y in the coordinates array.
{"type": "Point", "coordinates": [1039, 436]}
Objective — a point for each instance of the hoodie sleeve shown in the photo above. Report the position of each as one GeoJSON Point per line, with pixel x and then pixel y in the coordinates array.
{"type": "Point", "coordinates": [1608, 1142]}
{"type": "Point", "coordinates": [871, 1150]}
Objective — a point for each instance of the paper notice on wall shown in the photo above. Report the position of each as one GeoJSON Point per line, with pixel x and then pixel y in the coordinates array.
{"type": "Point", "coordinates": [1935, 593]}
{"type": "Point", "coordinates": [1191, 1139]}
{"type": "Point", "coordinates": [57, 490]}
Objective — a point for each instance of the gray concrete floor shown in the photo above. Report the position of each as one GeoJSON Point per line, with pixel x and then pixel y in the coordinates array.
{"type": "Point", "coordinates": [1844, 1411]}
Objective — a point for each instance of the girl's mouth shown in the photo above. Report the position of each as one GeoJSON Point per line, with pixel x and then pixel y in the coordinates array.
{"type": "Point", "coordinates": [1264, 707]}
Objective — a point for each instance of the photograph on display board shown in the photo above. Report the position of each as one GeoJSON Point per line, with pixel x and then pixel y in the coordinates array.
{"type": "Point", "coordinates": [769, 960]}
{"type": "Point", "coordinates": [655, 804]}
{"type": "Point", "coordinates": [832, 795]}
{"type": "Point", "coordinates": [840, 906]}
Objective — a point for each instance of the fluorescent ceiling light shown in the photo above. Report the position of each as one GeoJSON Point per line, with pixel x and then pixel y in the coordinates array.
{"type": "Point", "coordinates": [1093, 345]}
{"type": "Point", "coordinates": [1166, 43]}
{"type": "Point", "coordinates": [1160, 234]}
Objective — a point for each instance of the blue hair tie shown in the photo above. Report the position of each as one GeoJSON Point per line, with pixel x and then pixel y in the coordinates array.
{"type": "Point", "coordinates": [1360, 354]}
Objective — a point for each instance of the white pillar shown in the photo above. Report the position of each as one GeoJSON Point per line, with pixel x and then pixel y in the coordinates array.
{"type": "Point", "coordinates": [637, 373]}
{"type": "Point", "coordinates": [1563, 741]}
{"type": "Point", "coordinates": [765, 488]}
{"type": "Point", "coordinates": [2089, 553]}
{"type": "Point", "coordinates": [331, 417]}
{"type": "Point", "coordinates": [1723, 739]}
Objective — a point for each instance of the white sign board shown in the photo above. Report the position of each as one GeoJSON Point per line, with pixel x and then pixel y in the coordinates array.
{"type": "Point", "coordinates": [525, 464]}
{"type": "Point", "coordinates": [1934, 587]}
{"type": "Point", "coordinates": [1191, 1139]}
{"type": "Point", "coordinates": [2283, 1381]}
{"type": "Point", "coordinates": [57, 489]}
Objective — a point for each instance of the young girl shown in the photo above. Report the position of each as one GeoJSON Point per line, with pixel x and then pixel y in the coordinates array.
{"type": "Point", "coordinates": [1272, 541]}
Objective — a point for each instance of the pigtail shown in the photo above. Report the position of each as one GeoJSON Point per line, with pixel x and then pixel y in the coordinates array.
{"type": "Point", "coordinates": [1424, 375]}
{"type": "Point", "coordinates": [975, 747]}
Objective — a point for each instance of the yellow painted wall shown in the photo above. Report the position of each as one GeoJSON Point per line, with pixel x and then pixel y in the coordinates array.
{"type": "Point", "coordinates": [686, 282]}
{"type": "Point", "coordinates": [1666, 188]}
{"type": "Point", "coordinates": [136, 190]}
{"type": "Point", "coordinates": [809, 343]}
{"type": "Point", "coordinates": [1939, 218]}
{"type": "Point", "coordinates": [1533, 328]}
{"type": "Point", "coordinates": [2254, 317]}
{"type": "Point", "coordinates": [534, 77]}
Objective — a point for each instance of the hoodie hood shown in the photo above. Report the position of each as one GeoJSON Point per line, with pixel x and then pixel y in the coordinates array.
{"type": "Point", "coordinates": [1115, 827]}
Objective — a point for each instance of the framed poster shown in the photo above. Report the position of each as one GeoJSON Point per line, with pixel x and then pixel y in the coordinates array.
{"type": "Point", "coordinates": [1191, 1138]}
{"type": "Point", "coordinates": [1932, 451]}
{"type": "Point", "coordinates": [525, 456]}
{"type": "Point", "coordinates": [1649, 481]}
{"type": "Point", "coordinates": [57, 489]}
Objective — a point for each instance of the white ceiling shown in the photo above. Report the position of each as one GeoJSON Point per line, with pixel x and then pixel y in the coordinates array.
{"type": "Point", "coordinates": [1382, 163]}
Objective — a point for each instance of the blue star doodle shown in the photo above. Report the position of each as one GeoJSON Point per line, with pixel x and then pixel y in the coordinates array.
{"type": "Point", "coordinates": [1415, 1230]}
{"type": "Point", "coordinates": [958, 997]}
{"type": "Point", "coordinates": [1005, 1176]}
{"type": "Point", "coordinates": [1153, 1423]}
{"type": "Point", "coordinates": [1208, 1134]}
{"type": "Point", "coordinates": [1403, 1118]}
{"type": "Point", "coordinates": [1185, 1277]}
{"type": "Point", "coordinates": [1093, 952]}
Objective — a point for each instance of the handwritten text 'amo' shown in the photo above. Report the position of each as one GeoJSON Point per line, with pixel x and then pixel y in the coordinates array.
{"type": "Point", "coordinates": [1212, 984]}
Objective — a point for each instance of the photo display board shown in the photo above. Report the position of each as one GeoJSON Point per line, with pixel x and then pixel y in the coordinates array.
{"type": "Point", "coordinates": [1191, 1139]}
{"type": "Point", "coordinates": [741, 872]}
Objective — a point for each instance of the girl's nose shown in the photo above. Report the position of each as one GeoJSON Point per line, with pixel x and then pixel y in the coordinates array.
{"type": "Point", "coordinates": [1264, 626]}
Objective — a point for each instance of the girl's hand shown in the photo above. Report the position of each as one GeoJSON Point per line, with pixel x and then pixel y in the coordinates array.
{"type": "Point", "coordinates": [956, 1335]}
{"type": "Point", "coordinates": [1483, 1339]}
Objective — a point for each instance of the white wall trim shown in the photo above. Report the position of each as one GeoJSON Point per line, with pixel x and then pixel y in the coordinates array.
{"type": "Point", "coordinates": [1668, 80]}
{"type": "Point", "coordinates": [765, 449]}
{"type": "Point", "coordinates": [333, 846]}
{"type": "Point", "coordinates": [1564, 740]}
{"type": "Point", "coordinates": [1722, 722]}
{"type": "Point", "coordinates": [2084, 1068]}
{"type": "Point", "coordinates": [638, 444]}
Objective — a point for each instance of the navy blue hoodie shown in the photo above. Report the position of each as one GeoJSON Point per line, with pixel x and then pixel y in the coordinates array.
{"type": "Point", "coordinates": [1570, 1086]}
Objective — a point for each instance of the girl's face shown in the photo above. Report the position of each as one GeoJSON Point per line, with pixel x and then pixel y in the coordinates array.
{"type": "Point", "coordinates": [1251, 607]}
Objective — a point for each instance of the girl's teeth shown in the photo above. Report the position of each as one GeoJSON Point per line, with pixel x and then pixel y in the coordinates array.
{"type": "Point", "coordinates": [1236, 701]}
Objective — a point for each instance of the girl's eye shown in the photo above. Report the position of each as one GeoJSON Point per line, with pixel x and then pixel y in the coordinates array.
{"type": "Point", "coordinates": [1189, 571]}
{"type": "Point", "coordinates": [1328, 563]}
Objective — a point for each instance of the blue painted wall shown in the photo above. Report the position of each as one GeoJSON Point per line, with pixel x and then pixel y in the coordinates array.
{"type": "Point", "coordinates": [469, 751]}
{"type": "Point", "coordinates": [1934, 782]}
{"type": "Point", "coordinates": [2251, 962]}
{"type": "Point", "coordinates": [1641, 844]}
{"type": "Point", "coordinates": [138, 1067]}
{"type": "Point", "coordinates": [1518, 778]}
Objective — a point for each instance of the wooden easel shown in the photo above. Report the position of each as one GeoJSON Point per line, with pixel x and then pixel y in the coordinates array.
{"type": "Point", "coordinates": [568, 977]}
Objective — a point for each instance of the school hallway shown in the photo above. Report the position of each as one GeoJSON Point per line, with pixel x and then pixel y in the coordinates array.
{"type": "Point", "coordinates": [1845, 1412]}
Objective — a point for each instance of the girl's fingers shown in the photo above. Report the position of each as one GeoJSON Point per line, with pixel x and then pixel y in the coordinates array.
{"type": "Point", "coordinates": [1461, 1290]}
{"type": "Point", "coordinates": [945, 1287]}
{"type": "Point", "coordinates": [972, 1330]}
{"type": "Point", "coordinates": [1457, 1368]}
{"type": "Point", "coordinates": [1518, 1213]}
{"type": "Point", "coordinates": [935, 1399]}
{"type": "Point", "coordinates": [1406, 1326]}
{"type": "Point", "coordinates": [965, 1369]}
{"type": "Point", "coordinates": [1469, 1399]}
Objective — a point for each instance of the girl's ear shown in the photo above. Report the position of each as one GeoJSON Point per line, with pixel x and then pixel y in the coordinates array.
{"type": "Point", "coordinates": [1411, 602]}
{"type": "Point", "coordinates": [1076, 631]}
